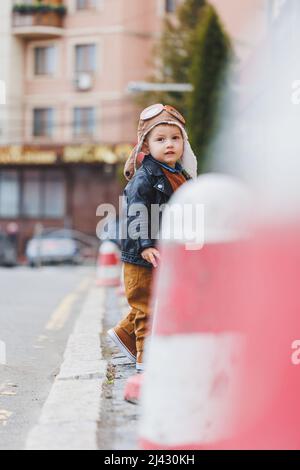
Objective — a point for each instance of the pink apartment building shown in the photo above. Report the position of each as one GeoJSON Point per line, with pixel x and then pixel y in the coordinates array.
{"type": "Point", "coordinates": [68, 117]}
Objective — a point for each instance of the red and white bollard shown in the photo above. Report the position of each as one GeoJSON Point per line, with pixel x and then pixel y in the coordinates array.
{"type": "Point", "coordinates": [224, 359]}
{"type": "Point", "coordinates": [132, 391]}
{"type": "Point", "coordinates": [108, 265]}
{"type": "Point", "coordinates": [267, 412]}
{"type": "Point", "coordinates": [192, 362]}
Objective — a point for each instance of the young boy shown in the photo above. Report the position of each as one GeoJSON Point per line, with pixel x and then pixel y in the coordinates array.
{"type": "Point", "coordinates": [169, 162]}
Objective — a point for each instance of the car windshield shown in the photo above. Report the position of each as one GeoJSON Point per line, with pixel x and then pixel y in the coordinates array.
{"type": "Point", "coordinates": [75, 235]}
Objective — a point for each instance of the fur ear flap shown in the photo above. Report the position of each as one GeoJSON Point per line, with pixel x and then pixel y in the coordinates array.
{"type": "Point", "coordinates": [133, 162]}
{"type": "Point", "coordinates": [189, 160]}
{"type": "Point", "coordinates": [129, 165]}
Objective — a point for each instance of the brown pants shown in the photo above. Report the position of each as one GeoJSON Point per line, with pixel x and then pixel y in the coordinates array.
{"type": "Point", "coordinates": [138, 283]}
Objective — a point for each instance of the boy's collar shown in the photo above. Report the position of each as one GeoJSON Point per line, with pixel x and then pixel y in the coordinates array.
{"type": "Point", "coordinates": [177, 169]}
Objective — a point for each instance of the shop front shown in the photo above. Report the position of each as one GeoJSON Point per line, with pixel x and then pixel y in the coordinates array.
{"type": "Point", "coordinates": [57, 187]}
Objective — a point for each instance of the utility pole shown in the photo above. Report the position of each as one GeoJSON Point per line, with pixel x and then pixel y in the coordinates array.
{"type": "Point", "coordinates": [140, 87]}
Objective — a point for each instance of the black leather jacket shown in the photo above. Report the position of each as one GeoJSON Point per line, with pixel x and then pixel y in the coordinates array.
{"type": "Point", "coordinates": [148, 186]}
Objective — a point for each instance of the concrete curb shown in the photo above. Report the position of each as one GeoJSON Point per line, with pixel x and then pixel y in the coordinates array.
{"type": "Point", "coordinates": [70, 416]}
{"type": "Point", "coordinates": [119, 418]}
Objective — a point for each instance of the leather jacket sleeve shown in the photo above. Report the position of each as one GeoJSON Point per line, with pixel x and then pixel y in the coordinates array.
{"type": "Point", "coordinates": [138, 199]}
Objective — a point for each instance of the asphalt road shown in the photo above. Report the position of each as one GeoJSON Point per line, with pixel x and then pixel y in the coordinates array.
{"type": "Point", "coordinates": [37, 313]}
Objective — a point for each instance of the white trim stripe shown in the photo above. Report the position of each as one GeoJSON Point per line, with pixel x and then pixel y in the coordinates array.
{"type": "Point", "coordinates": [188, 389]}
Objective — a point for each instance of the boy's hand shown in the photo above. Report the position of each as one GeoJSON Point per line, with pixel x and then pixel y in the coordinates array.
{"type": "Point", "coordinates": [150, 255]}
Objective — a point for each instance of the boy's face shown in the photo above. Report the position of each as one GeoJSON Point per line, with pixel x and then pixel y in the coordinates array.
{"type": "Point", "coordinates": [165, 143]}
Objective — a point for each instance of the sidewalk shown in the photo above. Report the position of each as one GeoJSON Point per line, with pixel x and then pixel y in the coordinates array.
{"type": "Point", "coordinates": [85, 409]}
{"type": "Point", "coordinates": [119, 419]}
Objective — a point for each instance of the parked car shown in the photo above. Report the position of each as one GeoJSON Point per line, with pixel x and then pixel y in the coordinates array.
{"type": "Point", "coordinates": [57, 246]}
{"type": "Point", "coordinates": [8, 253]}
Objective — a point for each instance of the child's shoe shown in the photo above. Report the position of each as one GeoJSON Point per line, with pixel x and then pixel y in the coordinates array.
{"type": "Point", "coordinates": [125, 342]}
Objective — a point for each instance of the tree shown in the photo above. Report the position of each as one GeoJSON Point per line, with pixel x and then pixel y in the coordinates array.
{"type": "Point", "coordinates": [171, 55]}
{"type": "Point", "coordinates": [211, 52]}
{"type": "Point", "coordinates": [193, 49]}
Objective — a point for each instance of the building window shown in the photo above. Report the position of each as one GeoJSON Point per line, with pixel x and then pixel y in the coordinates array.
{"type": "Point", "coordinates": [85, 4]}
{"type": "Point", "coordinates": [44, 60]}
{"type": "Point", "coordinates": [43, 122]}
{"type": "Point", "coordinates": [9, 194]}
{"type": "Point", "coordinates": [85, 58]}
{"type": "Point", "coordinates": [170, 6]}
{"type": "Point", "coordinates": [43, 194]}
{"type": "Point", "coordinates": [32, 194]}
{"type": "Point", "coordinates": [84, 122]}
{"type": "Point", "coordinates": [54, 195]}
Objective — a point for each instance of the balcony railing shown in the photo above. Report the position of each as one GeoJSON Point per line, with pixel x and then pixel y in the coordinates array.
{"type": "Point", "coordinates": [38, 19]}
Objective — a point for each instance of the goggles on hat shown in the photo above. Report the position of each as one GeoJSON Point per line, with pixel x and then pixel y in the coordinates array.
{"type": "Point", "coordinates": [157, 109]}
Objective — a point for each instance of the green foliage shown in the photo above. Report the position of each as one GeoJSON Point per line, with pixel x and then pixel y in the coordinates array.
{"type": "Point", "coordinates": [193, 49]}
{"type": "Point", "coordinates": [189, 12]}
{"type": "Point", "coordinates": [39, 7]}
{"type": "Point", "coordinates": [171, 55]}
{"type": "Point", "coordinates": [210, 53]}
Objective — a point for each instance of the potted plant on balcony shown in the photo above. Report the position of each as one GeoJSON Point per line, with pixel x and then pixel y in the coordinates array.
{"type": "Point", "coordinates": [43, 13]}
{"type": "Point", "coordinates": [39, 7]}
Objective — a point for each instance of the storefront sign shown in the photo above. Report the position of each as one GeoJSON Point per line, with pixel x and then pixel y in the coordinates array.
{"type": "Point", "coordinates": [22, 155]}
{"type": "Point", "coordinates": [17, 155]}
{"type": "Point", "coordinates": [96, 153]}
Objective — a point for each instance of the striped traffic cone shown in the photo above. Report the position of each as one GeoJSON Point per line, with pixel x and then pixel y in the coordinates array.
{"type": "Point", "coordinates": [108, 265]}
{"type": "Point", "coordinates": [192, 362]}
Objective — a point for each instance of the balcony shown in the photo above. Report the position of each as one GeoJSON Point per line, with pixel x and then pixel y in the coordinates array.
{"type": "Point", "coordinates": [38, 20]}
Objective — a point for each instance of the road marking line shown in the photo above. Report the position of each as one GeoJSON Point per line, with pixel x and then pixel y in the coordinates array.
{"type": "Point", "coordinates": [4, 417]}
{"type": "Point", "coordinates": [42, 338]}
{"type": "Point", "coordinates": [8, 393]}
{"type": "Point", "coordinates": [84, 285]}
{"type": "Point", "coordinates": [77, 419]}
{"type": "Point", "coordinates": [5, 390]}
{"type": "Point", "coordinates": [63, 311]}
